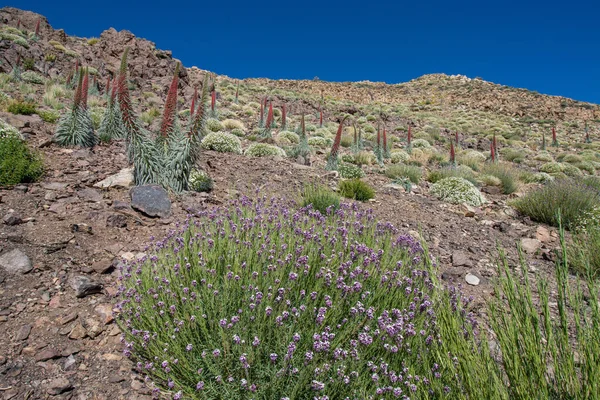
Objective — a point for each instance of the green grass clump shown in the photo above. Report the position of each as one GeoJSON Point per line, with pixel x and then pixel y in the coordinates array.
{"type": "Point", "coordinates": [200, 181]}
{"type": "Point", "coordinates": [222, 142]}
{"type": "Point", "coordinates": [457, 190]}
{"type": "Point", "coordinates": [400, 171]}
{"type": "Point", "coordinates": [16, 39]}
{"type": "Point", "coordinates": [572, 198]}
{"type": "Point", "coordinates": [318, 141]}
{"type": "Point", "coordinates": [32, 77]}
{"type": "Point", "coordinates": [264, 150]}
{"type": "Point", "coordinates": [350, 171]}
{"type": "Point", "coordinates": [214, 125]}
{"type": "Point", "coordinates": [399, 156]}
{"type": "Point", "coordinates": [231, 124]}
{"type": "Point", "coordinates": [363, 158]}
{"type": "Point", "coordinates": [22, 107]}
{"type": "Point", "coordinates": [287, 136]}
{"type": "Point", "coordinates": [320, 198]}
{"type": "Point", "coordinates": [356, 189]}
{"type": "Point", "coordinates": [552, 167]}
{"type": "Point", "coordinates": [420, 144]}
{"type": "Point", "coordinates": [49, 116]}
{"type": "Point", "coordinates": [18, 164]}
{"type": "Point", "coordinates": [506, 174]}
{"type": "Point", "coordinates": [448, 172]}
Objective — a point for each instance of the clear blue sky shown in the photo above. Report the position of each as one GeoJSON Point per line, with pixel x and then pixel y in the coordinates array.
{"type": "Point", "coordinates": [548, 46]}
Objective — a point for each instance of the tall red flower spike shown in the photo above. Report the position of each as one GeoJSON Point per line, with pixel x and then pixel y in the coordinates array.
{"type": "Point", "coordinates": [170, 105]}
{"type": "Point", "coordinates": [452, 153]}
{"type": "Point", "coordinates": [554, 141]}
{"type": "Point", "coordinates": [269, 116]}
{"type": "Point", "coordinates": [76, 66]}
{"type": "Point", "coordinates": [107, 90]}
{"type": "Point", "coordinates": [320, 116]}
{"type": "Point", "coordinates": [283, 115]}
{"type": "Point", "coordinates": [384, 139]}
{"type": "Point", "coordinates": [456, 137]}
{"type": "Point", "coordinates": [124, 98]}
{"type": "Point", "coordinates": [113, 94]}
{"type": "Point", "coordinates": [494, 143]}
{"type": "Point", "coordinates": [85, 88]}
{"type": "Point", "coordinates": [338, 139]}
{"type": "Point", "coordinates": [78, 92]}
{"type": "Point", "coordinates": [192, 108]}
{"type": "Point", "coordinates": [213, 99]}
{"type": "Point", "coordinates": [492, 152]}
{"type": "Point", "coordinates": [19, 23]}
{"type": "Point", "coordinates": [262, 112]}
{"type": "Point", "coordinates": [37, 27]}
{"type": "Point", "coordinates": [378, 136]}
{"type": "Point", "coordinates": [18, 59]}
{"type": "Point", "coordinates": [409, 139]}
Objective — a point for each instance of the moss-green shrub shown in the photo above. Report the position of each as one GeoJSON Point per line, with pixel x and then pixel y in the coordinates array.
{"type": "Point", "coordinates": [222, 142]}
{"type": "Point", "coordinates": [288, 136]}
{"type": "Point", "coordinates": [571, 170]}
{"type": "Point", "coordinates": [363, 158]}
{"type": "Point", "coordinates": [399, 171]}
{"type": "Point", "coordinates": [16, 39]}
{"type": "Point", "coordinates": [238, 132]}
{"type": "Point", "coordinates": [350, 171]}
{"type": "Point", "coordinates": [214, 125]}
{"type": "Point", "coordinates": [586, 166]}
{"type": "Point", "coordinates": [457, 191]}
{"type": "Point", "coordinates": [318, 141]}
{"type": "Point", "coordinates": [399, 156]}
{"type": "Point", "coordinates": [21, 107]}
{"type": "Point", "coordinates": [18, 164]}
{"type": "Point", "coordinates": [356, 189]}
{"type": "Point", "coordinates": [264, 150]}
{"type": "Point", "coordinates": [447, 172]}
{"type": "Point", "coordinates": [320, 198]}
{"type": "Point", "coordinates": [322, 132]}
{"type": "Point", "coordinates": [49, 116]}
{"type": "Point", "coordinates": [572, 197]}
{"type": "Point", "coordinates": [543, 156]}
{"type": "Point", "coordinates": [199, 181]}
{"type": "Point", "coordinates": [32, 77]}
{"type": "Point", "coordinates": [420, 143]}
{"type": "Point", "coordinates": [233, 124]}
{"type": "Point", "coordinates": [8, 131]}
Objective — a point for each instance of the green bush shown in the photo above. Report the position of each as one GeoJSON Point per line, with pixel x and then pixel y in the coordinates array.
{"type": "Point", "coordinates": [350, 171]}
{"type": "Point", "coordinates": [457, 190]}
{"type": "Point", "coordinates": [32, 77]}
{"type": "Point", "coordinates": [448, 172]}
{"type": "Point", "coordinates": [21, 107]}
{"type": "Point", "coordinates": [420, 143]}
{"type": "Point", "coordinates": [214, 125]}
{"type": "Point", "coordinates": [505, 173]}
{"type": "Point", "coordinates": [572, 198]}
{"type": "Point", "coordinates": [264, 150]}
{"type": "Point", "coordinates": [356, 189]}
{"type": "Point", "coordinates": [399, 156]}
{"type": "Point", "coordinates": [17, 163]}
{"type": "Point", "coordinates": [318, 141]}
{"type": "Point", "coordinates": [320, 198]}
{"type": "Point", "coordinates": [199, 181]}
{"type": "Point", "coordinates": [7, 130]}
{"type": "Point", "coordinates": [288, 136]}
{"type": "Point", "coordinates": [49, 116]}
{"type": "Point", "coordinates": [400, 171]}
{"type": "Point", "coordinates": [222, 142]}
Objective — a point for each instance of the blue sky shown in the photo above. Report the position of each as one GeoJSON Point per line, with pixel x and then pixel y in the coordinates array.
{"type": "Point", "coordinates": [548, 46]}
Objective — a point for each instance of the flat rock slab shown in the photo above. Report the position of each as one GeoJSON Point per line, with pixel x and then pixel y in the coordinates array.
{"type": "Point", "coordinates": [530, 246]}
{"type": "Point", "coordinates": [15, 262]}
{"type": "Point", "coordinates": [89, 194]}
{"type": "Point", "coordinates": [151, 200]}
{"type": "Point", "coordinates": [461, 259]}
{"type": "Point", "coordinates": [84, 286]}
{"type": "Point", "coordinates": [122, 179]}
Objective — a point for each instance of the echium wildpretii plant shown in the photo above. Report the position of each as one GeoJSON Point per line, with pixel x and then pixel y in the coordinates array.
{"type": "Point", "coordinates": [409, 141]}
{"type": "Point", "coordinates": [302, 149]}
{"type": "Point", "coordinates": [111, 126]}
{"type": "Point", "coordinates": [15, 74]}
{"type": "Point", "coordinates": [332, 158]}
{"type": "Point", "coordinates": [75, 126]}
{"type": "Point", "coordinates": [378, 147]}
{"type": "Point", "coordinates": [237, 92]}
{"type": "Point", "coordinates": [554, 139]}
{"type": "Point", "coordinates": [269, 123]}
{"type": "Point", "coordinates": [36, 33]}
{"type": "Point", "coordinates": [587, 133]}
{"type": "Point", "coordinates": [357, 144]}
{"type": "Point", "coordinates": [386, 149]}
{"type": "Point", "coordinates": [283, 118]}
{"type": "Point", "coordinates": [213, 101]}
{"type": "Point", "coordinates": [453, 155]}
{"type": "Point", "coordinates": [257, 300]}
{"type": "Point", "coordinates": [72, 76]}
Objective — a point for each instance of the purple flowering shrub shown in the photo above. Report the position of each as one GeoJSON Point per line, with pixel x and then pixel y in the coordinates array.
{"type": "Point", "coordinates": [262, 301]}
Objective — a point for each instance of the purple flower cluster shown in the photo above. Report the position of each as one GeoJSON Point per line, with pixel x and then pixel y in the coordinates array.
{"type": "Point", "coordinates": [260, 298]}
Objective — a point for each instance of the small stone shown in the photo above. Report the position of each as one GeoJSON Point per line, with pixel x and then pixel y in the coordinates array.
{"type": "Point", "coordinates": [12, 219]}
{"type": "Point", "coordinates": [112, 357]}
{"type": "Point", "coordinates": [530, 246]}
{"type": "Point", "coordinates": [90, 195]}
{"type": "Point", "coordinates": [460, 259]}
{"type": "Point", "coordinates": [151, 200]}
{"type": "Point", "coordinates": [55, 186]}
{"type": "Point", "coordinates": [23, 333]}
{"type": "Point", "coordinates": [94, 328]}
{"type": "Point", "coordinates": [84, 286]}
{"type": "Point", "coordinates": [115, 378]}
{"type": "Point", "coordinates": [58, 386]}
{"type": "Point", "coordinates": [116, 221]}
{"type": "Point", "coordinates": [120, 205]}
{"type": "Point", "coordinates": [103, 266]}
{"type": "Point", "coordinates": [68, 318]}
{"type": "Point", "coordinates": [78, 332]}
{"type": "Point", "coordinates": [472, 279]}
{"type": "Point", "coordinates": [105, 311]}
{"type": "Point", "coordinates": [542, 234]}
{"type": "Point", "coordinates": [122, 179]}
{"type": "Point", "coordinates": [47, 354]}
{"type": "Point", "coordinates": [69, 362]}
{"type": "Point", "coordinates": [15, 262]}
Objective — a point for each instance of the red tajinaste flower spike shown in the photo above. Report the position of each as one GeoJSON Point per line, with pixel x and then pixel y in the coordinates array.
{"type": "Point", "coordinates": [320, 116]}
{"type": "Point", "coordinates": [269, 116]}
{"type": "Point", "coordinates": [384, 139]}
{"type": "Point", "coordinates": [409, 139]}
{"type": "Point", "coordinates": [213, 99]}
{"type": "Point", "coordinates": [193, 107]}
{"type": "Point", "coordinates": [170, 105]}
{"type": "Point", "coordinates": [452, 153]}
{"type": "Point", "coordinates": [85, 88]}
{"type": "Point", "coordinates": [18, 59]}
{"type": "Point", "coordinates": [76, 66]}
{"type": "Point", "coordinates": [378, 136]}
{"type": "Point", "coordinates": [78, 93]}
{"type": "Point", "coordinates": [283, 115]}
{"type": "Point", "coordinates": [494, 143]}
{"type": "Point", "coordinates": [115, 86]}
{"type": "Point", "coordinates": [303, 126]}
{"type": "Point", "coordinates": [19, 23]}
{"type": "Point", "coordinates": [37, 27]}
{"type": "Point", "coordinates": [107, 90]}
{"type": "Point", "coordinates": [124, 98]}
{"type": "Point", "coordinates": [338, 139]}
{"type": "Point", "coordinates": [492, 153]}
{"type": "Point", "coordinates": [265, 102]}
{"type": "Point", "coordinates": [554, 140]}
{"type": "Point", "coordinates": [456, 137]}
